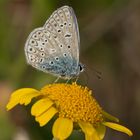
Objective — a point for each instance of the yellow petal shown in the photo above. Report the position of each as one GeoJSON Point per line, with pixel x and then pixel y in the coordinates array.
{"type": "Point", "coordinates": [22, 96]}
{"type": "Point", "coordinates": [41, 106]}
{"type": "Point", "coordinates": [89, 130]}
{"type": "Point", "coordinates": [110, 117]}
{"type": "Point", "coordinates": [101, 129]}
{"type": "Point", "coordinates": [118, 127]}
{"type": "Point", "coordinates": [62, 128]}
{"type": "Point", "coordinates": [46, 116]}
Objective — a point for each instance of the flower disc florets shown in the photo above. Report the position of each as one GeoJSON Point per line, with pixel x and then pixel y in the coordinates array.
{"type": "Point", "coordinates": [74, 102]}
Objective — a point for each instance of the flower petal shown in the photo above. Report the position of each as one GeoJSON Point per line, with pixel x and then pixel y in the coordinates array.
{"type": "Point", "coordinates": [22, 96]}
{"type": "Point", "coordinates": [110, 117]}
{"type": "Point", "coordinates": [89, 130]}
{"type": "Point", "coordinates": [101, 129]}
{"type": "Point", "coordinates": [118, 127]}
{"type": "Point", "coordinates": [46, 116]}
{"type": "Point", "coordinates": [62, 128]}
{"type": "Point", "coordinates": [41, 106]}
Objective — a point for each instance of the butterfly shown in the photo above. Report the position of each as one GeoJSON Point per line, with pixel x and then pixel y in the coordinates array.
{"type": "Point", "coordinates": [54, 48]}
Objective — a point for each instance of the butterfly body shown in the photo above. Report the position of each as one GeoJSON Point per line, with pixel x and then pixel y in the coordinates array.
{"type": "Point", "coordinates": [54, 48]}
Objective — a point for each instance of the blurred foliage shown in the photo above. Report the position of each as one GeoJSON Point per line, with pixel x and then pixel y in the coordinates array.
{"type": "Point", "coordinates": [110, 43]}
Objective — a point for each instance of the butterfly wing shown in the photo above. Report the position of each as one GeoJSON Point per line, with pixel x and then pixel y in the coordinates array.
{"type": "Point", "coordinates": [54, 48]}
{"type": "Point", "coordinates": [66, 20]}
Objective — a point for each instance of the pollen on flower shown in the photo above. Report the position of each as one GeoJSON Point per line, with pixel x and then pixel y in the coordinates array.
{"type": "Point", "coordinates": [74, 102]}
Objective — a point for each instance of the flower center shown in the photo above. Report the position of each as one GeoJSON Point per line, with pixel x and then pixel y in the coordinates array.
{"type": "Point", "coordinates": [74, 102]}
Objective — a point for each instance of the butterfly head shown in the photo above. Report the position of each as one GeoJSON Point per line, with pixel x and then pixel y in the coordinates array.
{"type": "Point", "coordinates": [81, 67]}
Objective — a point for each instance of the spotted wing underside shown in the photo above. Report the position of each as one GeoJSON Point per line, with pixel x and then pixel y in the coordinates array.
{"type": "Point", "coordinates": [54, 48]}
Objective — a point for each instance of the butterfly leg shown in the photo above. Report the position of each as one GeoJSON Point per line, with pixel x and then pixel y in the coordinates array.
{"type": "Point", "coordinates": [76, 79]}
{"type": "Point", "coordinates": [57, 79]}
{"type": "Point", "coordinates": [68, 80]}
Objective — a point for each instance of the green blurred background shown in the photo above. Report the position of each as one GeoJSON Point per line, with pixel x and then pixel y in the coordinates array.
{"type": "Point", "coordinates": [110, 43]}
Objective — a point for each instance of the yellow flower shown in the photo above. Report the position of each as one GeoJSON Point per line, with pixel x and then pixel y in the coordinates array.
{"type": "Point", "coordinates": [74, 106]}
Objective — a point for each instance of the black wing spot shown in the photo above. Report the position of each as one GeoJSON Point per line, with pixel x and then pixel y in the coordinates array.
{"type": "Point", "coordinates": [31, 56]}
{"type": "Point", "coordinates": [61, 25]}
{"type": "Point", "coordinates": [61, 46]}
{"type": "Point", "coordinates": [55, 36]}
{"type": "Point", "coordinates": [65, 23]}
{"type": "Point", "coordinates": [64, 54]}
{"type": "Point", "coordinates": [59, 31]}
{"type": "Point", "coordinates": [41, 49]}
{"type": "Point", "coordinates": [45, 32]}
{"type": "Point", "coordinates": [41, 60]}
{"type": "Point", "coordinates": [51, 62]}
{"type": "Point", "coordinates": [35, 36]}
{"type": "Point", "coordinates": [67, 35]}
{"type": "Point", "coordinates": [55, 25]}
{"type": "Point", "coordinates": [56, 58]}
{"type": "Point", "coordinates": [39, 33]}
{"type": "Point", "coordinates": [53, 50]}
{"type": "Point", "coordinates": [42, 54]}
{"type": "Point", "coordinates": [69, 47]}
{"type": "Point", "coordinates": [31, 49]}
{"type": "Point", "coordinates": [44, 67]}
{"type": "Point", "coordinates": [32, 41]}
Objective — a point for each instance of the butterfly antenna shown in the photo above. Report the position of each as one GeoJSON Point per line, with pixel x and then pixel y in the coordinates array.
{"type": "Point", "coordinates": [98, 74]}
{"type": "Point", "coordinates": [86, 76]}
